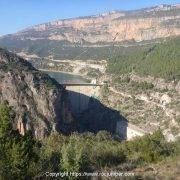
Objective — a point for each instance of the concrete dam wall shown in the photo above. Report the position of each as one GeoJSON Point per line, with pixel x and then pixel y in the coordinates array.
{"type": "Point", "coordinates": [80, 95]}
{"type": "Point", "coordinates": [84, 101]}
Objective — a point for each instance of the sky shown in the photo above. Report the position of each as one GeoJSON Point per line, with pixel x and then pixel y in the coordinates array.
{"type": "Point", "coordinates": [16, 15]}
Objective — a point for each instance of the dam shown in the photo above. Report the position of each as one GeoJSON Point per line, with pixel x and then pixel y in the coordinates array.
{"type": "Point", "coordinates": [80, 94]}
{"type": "Point", "coordinates": [84, 100]}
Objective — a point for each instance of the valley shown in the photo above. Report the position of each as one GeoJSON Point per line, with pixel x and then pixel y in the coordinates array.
{"type": "Point", "coordinates": [99, 93]}
{"type": "Point", "coordinates": [149, 101]}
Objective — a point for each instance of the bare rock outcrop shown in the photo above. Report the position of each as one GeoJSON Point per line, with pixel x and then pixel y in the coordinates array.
{"type": "Point", "coordinates": [40, 103]}
{"type": "Point", "coordinates": [116, 26]}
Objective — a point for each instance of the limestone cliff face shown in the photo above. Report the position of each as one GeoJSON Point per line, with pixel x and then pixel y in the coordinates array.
{"type": "Point", "coordinates": [145, 24]}
{"type": "Point", "coordinates": [38, 100]}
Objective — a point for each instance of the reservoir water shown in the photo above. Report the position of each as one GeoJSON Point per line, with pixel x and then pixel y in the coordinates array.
{"type": "Point", "coordinates": [67, 78]}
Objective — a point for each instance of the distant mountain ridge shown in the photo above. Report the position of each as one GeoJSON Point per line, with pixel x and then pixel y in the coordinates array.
{"type": "Point", "coordinates": [114, 13]}
{"type": "Point", "coordinates": [113, 27]}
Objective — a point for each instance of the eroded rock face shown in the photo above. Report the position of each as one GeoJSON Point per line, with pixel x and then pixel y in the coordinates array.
{"type": "Point", "coordinates": [145, 24]}
{"type": "Point", "coordinates": [38, 100]}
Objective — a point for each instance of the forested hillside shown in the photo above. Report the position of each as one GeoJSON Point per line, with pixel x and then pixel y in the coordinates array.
{"type": "Point", "coordinates": [159, 60]}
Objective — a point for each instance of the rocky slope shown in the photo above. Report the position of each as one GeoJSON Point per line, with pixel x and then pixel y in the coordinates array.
{"type": "Point", "coordinates": [39, 101]}
{"type": "Point", "coordinates": [146, 105]}
{"type": "Point", "coordinates": [145, 24]}
{"type": "Point", "coordinates": [117, 26]}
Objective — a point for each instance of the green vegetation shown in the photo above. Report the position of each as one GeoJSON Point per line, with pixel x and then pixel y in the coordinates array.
{"type": "Point", "coordinates": [66, 50]}
{"type": "Point", "coordinates": [105, 90]}
{"type": "Point", "coordinates": [136, 86]}
{"type": "Point", "coordinates": [23, 157]}
{"type": "Point", "coordinates": [94, 73]}
{"type": "Point", "coordinates": [44, 48]}
{"type": "Point", "coordinates": [161, 60]}
{"type": "Point", "coordinates": [16, 151]}
{"type": "Point", "coordinates": [88, 151]}
{"type": "Point", "coordinates": [5, 119]}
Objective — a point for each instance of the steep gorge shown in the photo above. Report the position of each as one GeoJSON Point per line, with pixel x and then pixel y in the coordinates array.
{"type": "Point", "coordinates": [39, 102]}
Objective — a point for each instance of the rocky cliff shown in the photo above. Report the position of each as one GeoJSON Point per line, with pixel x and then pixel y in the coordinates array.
{"type": "Point", "coordinates": [69, 37]}
{"type": "Point", "coordinates": [39, 101]}
{"type": "Point", "coordinates": [139, 25]}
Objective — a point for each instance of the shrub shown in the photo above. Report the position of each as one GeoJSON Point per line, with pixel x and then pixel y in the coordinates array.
{"type": "Point", "coordinates": [17, 152]}
{"type": "Point", "coordinates": [150, 148]}
{"type": "Point", "coordinates": [74, 157]}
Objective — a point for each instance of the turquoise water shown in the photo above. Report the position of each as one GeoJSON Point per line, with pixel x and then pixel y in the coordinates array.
{"type": "Point", "coordinates": [67, 78]}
